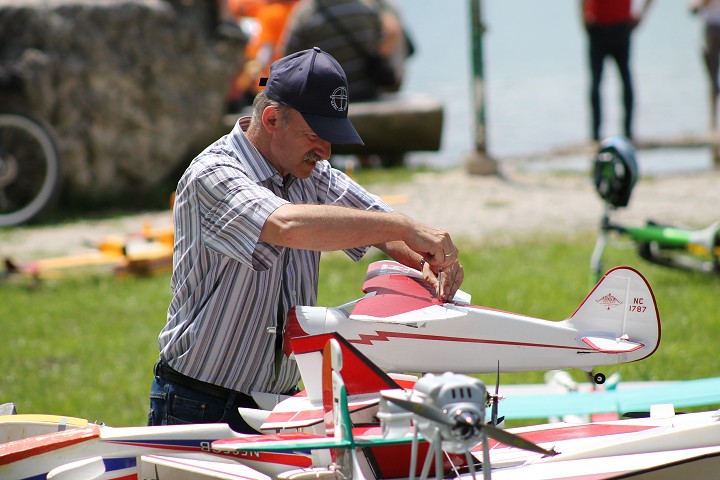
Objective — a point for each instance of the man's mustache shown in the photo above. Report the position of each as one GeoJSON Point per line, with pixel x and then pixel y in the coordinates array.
{"type": "Point", "coordinates": [312, 157]}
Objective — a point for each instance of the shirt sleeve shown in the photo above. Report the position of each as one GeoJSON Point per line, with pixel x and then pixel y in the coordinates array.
{"type": "Point", "coordinates": [336, 188]}
{"type": "Point", "coordinates": [233, 210]}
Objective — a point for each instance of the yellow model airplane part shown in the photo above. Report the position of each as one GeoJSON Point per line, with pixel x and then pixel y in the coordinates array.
{"type": "Point", "coordinates": [144, 253]}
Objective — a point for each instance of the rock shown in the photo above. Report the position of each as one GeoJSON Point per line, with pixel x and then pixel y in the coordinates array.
{"type": "Point", "coordinates": [394, 125]}
{"type": "Point", "coordinates": [133, 89]}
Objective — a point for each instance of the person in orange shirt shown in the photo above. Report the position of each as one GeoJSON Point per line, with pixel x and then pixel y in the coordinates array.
{"type": "Point", "coordinates": [271, 17]}
{"type": "Point", "coordinates": [245, 8]}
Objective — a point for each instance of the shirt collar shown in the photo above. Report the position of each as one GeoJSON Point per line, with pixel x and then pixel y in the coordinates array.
{"type": "Point", "coordinates": [257, 165]}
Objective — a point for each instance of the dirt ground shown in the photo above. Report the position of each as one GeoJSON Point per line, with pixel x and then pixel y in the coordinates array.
{"type": "Point", "coordinates": [523, 204]}
{"type": "Point", "coordinates": [483, 208]}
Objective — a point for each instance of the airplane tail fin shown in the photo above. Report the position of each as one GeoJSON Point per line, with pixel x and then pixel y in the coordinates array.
{"type": "Point", "coordinates": [360, 373]}
{"type": "Point", "coordinates": [337, 413]}
{"type": "Point", "coordinates": [335, 403]}
{"type": "Point", "coordinates": [623, 304]}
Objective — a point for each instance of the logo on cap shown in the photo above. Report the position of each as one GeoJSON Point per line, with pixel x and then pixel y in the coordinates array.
{"type": "Point", "coordinates": [339, 99]}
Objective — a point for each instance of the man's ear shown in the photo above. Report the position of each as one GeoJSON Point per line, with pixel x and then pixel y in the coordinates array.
{"type": "Point", "coordinates": [270, 118]}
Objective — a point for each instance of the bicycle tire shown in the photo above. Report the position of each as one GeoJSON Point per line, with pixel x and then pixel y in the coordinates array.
{"type": "Point", "coordinates": [30, 168]}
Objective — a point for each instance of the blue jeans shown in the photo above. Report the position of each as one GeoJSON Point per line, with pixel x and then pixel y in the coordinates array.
{"type": "Point", "coordinates": [174, 404]}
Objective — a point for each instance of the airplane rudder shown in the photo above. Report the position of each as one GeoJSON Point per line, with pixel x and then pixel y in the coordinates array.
{"type": "Point", "coordinates": [621, 297]}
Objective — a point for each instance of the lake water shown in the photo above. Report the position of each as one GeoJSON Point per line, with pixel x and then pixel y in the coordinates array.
{"type": "Point", "coordinates": [536, 80]}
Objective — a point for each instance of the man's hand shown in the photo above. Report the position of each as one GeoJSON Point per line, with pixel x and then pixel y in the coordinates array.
{"type": "Point", "coordinates": [446, 281]}
{"type": "Point", "coordinates": [434, 244]}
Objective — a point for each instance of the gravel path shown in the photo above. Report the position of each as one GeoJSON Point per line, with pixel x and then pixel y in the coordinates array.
{"type": "Point", "coordinates": [486, 209]}
{"type": "Point", "coordinates": [522, 204]}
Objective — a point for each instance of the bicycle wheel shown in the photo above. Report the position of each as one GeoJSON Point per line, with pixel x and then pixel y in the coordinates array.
{"type": "Point", "coordinates": [30, 169]}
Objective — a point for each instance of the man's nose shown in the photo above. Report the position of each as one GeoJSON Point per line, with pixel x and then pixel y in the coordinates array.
{"type": "Point", "coordinates": [323, 149]}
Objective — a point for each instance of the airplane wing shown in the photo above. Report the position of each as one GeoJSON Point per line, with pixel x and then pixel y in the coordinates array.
{"type": "Point", "coordinates": [400, 295]}
{"type": "Point", "coordinates": [403, 309]}
{"type": "Point", "coordinates": [160, 466]}
{"type": "Point", "coordinates": [290, 442]}
{"type": "Point", "coordinates": [388, 276]}
{"type": "Point", "coordinates": [300, 412]}
{"type": "Point", "coordinates": [690, 393]}
{"type": "Point", "coordinates": [389, 267]}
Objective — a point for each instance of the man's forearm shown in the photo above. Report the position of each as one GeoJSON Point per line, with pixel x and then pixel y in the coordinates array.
{"type": "Point", "coordinates": [400, 252]}
{"type": "Point", "coordinates": [328, 227]}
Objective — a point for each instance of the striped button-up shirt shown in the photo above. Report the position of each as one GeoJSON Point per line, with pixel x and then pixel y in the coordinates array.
{"type": "Point", "coordinates": [228, 287]}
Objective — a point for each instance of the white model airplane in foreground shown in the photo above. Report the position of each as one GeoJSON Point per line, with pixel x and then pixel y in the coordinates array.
{"type": "Point", "coordinates": [401, 326]}
{"type": "Point", "coordinates": [448, 412]}
{"type": "Point", "coordinates": [376, 429]}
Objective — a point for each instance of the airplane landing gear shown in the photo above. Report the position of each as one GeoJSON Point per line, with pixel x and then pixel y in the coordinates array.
{"type": "Point", "coordinates": [597, 378]}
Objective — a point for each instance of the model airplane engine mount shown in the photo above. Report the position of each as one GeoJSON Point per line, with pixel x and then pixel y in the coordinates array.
{"type": "Point", "coordinates": [462, 399]}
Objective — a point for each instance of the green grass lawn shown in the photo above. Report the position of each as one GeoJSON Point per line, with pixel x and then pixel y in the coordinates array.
{"type": "Point", "coordinates": [84, 345]}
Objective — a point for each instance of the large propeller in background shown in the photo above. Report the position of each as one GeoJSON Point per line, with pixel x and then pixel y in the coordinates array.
{"type": "Point", "coordinates": [465, 425]}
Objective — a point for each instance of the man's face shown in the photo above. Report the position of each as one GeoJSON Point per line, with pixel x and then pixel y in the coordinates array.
{"type": "Point", "coordinates": [295, 147]}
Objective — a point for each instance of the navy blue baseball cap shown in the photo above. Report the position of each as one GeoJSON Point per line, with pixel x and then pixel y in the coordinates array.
{"type": "Point", "coordinates": [313, 83]}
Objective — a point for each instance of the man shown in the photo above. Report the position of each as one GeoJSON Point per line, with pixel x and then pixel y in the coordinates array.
{"type": "Point", "coordinates": [252, 214]}
{"type": "Point", "coordinates": [609, 25]}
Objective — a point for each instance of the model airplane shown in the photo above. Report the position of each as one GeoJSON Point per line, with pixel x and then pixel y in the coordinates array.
{"type": "Point", "coordinates": [47, 446]}
{"type": "Point", "coordinates": [401, 326]}
{"type": "Point", "coordinates": [586, 401]}
{"type": "Point", "coordinates": [637, 447]}
{"type": "Point", "coordinates": [146, 252]}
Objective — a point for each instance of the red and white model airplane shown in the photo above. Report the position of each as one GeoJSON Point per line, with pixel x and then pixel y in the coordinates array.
{"type": "Point", "coordinates": [401, 326]}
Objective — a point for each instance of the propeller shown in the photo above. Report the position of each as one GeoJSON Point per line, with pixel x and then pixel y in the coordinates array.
{"type": "Point", "coordinates": [424, 410]}
{"type": "Point", "coordinates": [495, 398]}
{"type": "Point", "coordinates": [466, 423]}
{"type": "Point", "coordinates": [516, 440]}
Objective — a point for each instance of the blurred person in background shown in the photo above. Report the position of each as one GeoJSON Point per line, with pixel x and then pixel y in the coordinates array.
{"type": "Point", "coordinates": [609, 25]}
{"type": "Point", "coordinates": [227, 25]}
{"type": "Point", "coordinates": [366, 38]}
{"type": "Point", "coordinates": [270, 17]}
{"type": "Point", "coordinates": [709, 12]}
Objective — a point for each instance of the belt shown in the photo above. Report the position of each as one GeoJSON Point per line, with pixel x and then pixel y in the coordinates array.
{"type": "Point", "coordinates": [164, 371]}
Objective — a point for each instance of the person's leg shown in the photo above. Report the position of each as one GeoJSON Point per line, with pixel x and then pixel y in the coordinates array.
{"type": "Point", "coordinates": [621, 54]}
{"type": "Point", "coordinates": [711, 54]}
{"type": "Point", "coordinates": [173, 404]}
{"type": "Point", "coordinates": [596, 56]}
